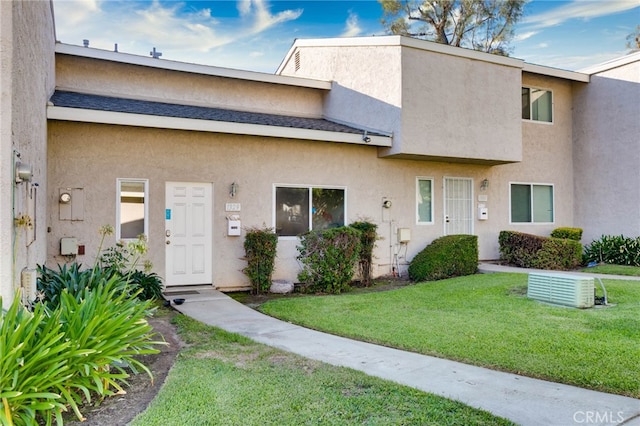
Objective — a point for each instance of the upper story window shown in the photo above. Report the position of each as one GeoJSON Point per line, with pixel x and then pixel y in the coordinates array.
{"type": "Point", "coordinates": [531, 203]}
{"type": "Point", "coordinates": [132, 209]}
{"type": "Point", "coordinates": [424, 200]}
{"type": "Point", "coordinates": [300, 209]}
{"type": "Point", "coordinates": [537, 105]}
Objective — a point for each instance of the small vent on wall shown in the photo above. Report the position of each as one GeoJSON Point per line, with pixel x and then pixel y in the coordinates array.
{"type": "Point", "coordinates": [297, 60]}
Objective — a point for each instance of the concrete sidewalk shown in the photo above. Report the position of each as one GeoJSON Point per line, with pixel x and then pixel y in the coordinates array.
{"type": "Point", "coordinates": [523, 400]}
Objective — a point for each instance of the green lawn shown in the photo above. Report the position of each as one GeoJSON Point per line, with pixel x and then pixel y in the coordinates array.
{"type": "Point", "coordinates": [614, 270]}
{"type": "Point", "coordinates": [225, 379]}
{"type": "Point", "coordinates": [487, 320]}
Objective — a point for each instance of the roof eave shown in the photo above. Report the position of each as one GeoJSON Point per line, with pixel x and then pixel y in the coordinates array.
{"type": "Point", "coordinates": [178, 123]}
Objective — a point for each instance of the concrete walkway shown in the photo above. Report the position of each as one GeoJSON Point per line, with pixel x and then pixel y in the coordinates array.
{"type": "Point", "coordinates": [523, 400]}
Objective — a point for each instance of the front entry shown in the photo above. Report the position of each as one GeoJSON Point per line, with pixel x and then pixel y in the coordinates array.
{"type": "Point", "coordinates": [188, 233]}
{"type": "Point", "coordinates": [458, 206]}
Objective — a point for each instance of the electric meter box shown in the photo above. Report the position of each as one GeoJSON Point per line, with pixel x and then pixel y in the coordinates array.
{"type": "Point", "coordinates": [234, 228]}
{"type": "Point", "coordinates": [404, 235]}
{"type": "Point", "coordinates": [68, 246]}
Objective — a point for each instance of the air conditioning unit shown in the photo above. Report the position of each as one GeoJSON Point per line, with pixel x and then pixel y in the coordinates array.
{"type": "Point", "coordinates": [561, 289]}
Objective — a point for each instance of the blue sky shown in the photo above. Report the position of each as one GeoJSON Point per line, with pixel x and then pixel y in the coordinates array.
{"type": "Point", "coordinates": [256, 34]}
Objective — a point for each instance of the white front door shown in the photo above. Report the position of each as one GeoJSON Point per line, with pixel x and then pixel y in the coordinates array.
{"type": "Point", "coordinates": [458, 206]}
{"type": "Point", "coordinates": [188, 233]}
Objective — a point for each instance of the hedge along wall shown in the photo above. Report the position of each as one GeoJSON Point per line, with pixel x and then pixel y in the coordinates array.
{"type": "Point", "coordinates": [533, 251]}
{"type": "Point", "coordinates": [445, 257]}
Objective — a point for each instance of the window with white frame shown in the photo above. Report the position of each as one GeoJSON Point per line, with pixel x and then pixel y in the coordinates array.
{"type": "Point", "coordinates": [531, 203]}
{"type": "Point", "coordinates": [299, 209]}
{"type": "Point", "coordinates": [132, 209]}
{"type": "Point", "coordinates": [537, 105]}
{"type": "Point", "coordinates": [424, 200]}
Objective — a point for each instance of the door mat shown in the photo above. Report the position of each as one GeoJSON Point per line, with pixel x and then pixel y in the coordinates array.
{"type": "Point", "coordinates": [176, 293]}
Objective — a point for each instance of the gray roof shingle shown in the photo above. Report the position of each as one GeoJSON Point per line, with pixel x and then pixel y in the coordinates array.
{"type": "Point", "coordinates": [134, 106]}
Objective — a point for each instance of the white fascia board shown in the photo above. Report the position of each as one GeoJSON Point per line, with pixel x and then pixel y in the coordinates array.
{"type": "Point", "coordinates": [178, 123]}
{"type": "Point", "coordinates": [556, 72]}
{"type": "Point", "coordinates": [127, 58]}
{"type": "Point", "coordinates": [614, 63]}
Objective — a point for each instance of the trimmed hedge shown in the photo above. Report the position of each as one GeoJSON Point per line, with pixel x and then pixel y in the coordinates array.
{"type": "Point", "coordinates": [568, 233]}
{"type": "Point", "coordinates": [446, 257]}
{"type": "Point", "coordinates": [533, 251]}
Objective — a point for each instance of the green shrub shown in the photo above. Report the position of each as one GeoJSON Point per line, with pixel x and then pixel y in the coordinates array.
{"type": "Point", "coordinates": [111, 327]}
{"type": "Point", "coordinates": [567, 233]}
{"type": "Point", "coordinates": [34, 358]}
{"type": "Point", "coordinates": [328, 259]}
{"type": "Point", "coordinates": [260, 246]}
{"type": "Point", "coordinates": [518, 248]}
{"type": "Point", "coordinates": [558, 253]}
{"type": "Point", "coordinates": [445, 257]}
{"type": "Point", "coordinates": [368, 239]}
{"type": "Point", "coordinates": [533, 251]}
{"type": "Point", "coordinates": [51, 359]}
{"type": "Point", "coordinates": [615, 250]}
{"type": "Point", "coordinates": [70, 278]}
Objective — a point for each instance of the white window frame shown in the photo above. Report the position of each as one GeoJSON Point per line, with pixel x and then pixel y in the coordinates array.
{"type": "Point", "coordinates": [530, 184]}
{"type": "Point", "coordinates": [553, 103]}
{"type": "Point", "coordinates": [310, 189]}
{"type": "Point", "coordinates": [431, 180]}
{"type": "Point", "coordinates": [119, 181]}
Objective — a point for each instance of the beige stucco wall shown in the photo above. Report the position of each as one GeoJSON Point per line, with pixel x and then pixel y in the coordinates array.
{"type": "Point", "coordinates": [607, 153]}
{"type": "Point", "coordinates": [369, 76]}
{"type": "Point", "coordinates": [420, 92]}
{"type": "Point", "coordinates": [89, 75]}
{"type": "Point", "coordinates": [257, 164]}
{"type": "Point", "coordinates": [76, 151]}
{"type": "Point", "coordinates": [459, 108]}
{"type": "Point", "coordinates": [26, 82]}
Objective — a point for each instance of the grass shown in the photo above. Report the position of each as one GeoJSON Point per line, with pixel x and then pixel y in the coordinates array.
{"type": "Point", "coordinates": [633, 271]}
{"type": "Point", "coordinates": [224, 378]}
{"type": "Point", "coordinates": [487, 320]}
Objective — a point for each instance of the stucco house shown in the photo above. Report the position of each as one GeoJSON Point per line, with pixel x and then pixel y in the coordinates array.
{"type": "Point", "coordinates": [420, 138]}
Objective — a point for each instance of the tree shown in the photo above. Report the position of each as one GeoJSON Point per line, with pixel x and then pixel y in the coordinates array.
{"type": "Point", "coordinates": [485, 25]}
{"type": "Point", "coordinates": [633, 40]}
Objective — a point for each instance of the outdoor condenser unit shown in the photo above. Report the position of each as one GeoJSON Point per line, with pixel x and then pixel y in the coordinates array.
{"type": "Point", "coordinates": [561, 289]}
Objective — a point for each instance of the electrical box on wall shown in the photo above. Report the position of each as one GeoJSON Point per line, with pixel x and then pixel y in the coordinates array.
{"type": "Point", "coordinates": [68, 246]}
{"type": "Point", "coordinates": [404, 235]}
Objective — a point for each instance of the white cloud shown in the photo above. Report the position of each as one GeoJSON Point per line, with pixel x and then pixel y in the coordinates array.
{"type": "Point", "coordinates": [179, 31]}
{"type": "Point", "coordinates": [578, 9]}
{"type": "Point", "coordinates": [352, 26]}
{"type": "Point", "coordinates": [258, 10]}
{"type": "Point", "coordinates": [524, 36]}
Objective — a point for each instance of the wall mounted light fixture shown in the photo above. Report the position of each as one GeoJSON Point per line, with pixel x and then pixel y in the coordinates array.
{"type": "Point", "coordinates": [233, 190]}
{"type": "Point", "coordinates": [484, 185]}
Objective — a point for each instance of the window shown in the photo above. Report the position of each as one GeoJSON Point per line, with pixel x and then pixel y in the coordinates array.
{"type": "Point", "coordinates": [537, 105]}
{"type": "Point", "coordinates": [300, 209]}
{"type": "Point", "coordinates": [531, 203]}
{"type": "Point", "coordinates": [424, 200]}
{"type": "Point", "coordinates": [132, 209]}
